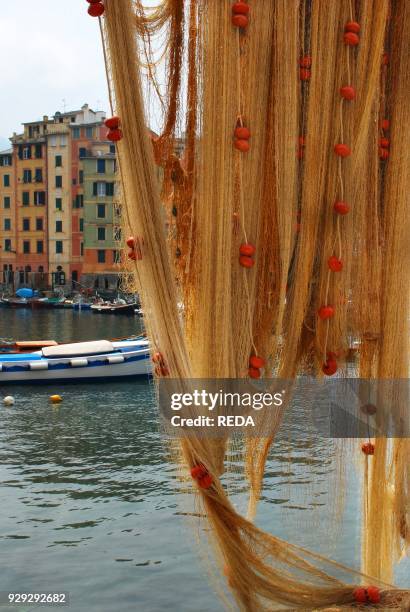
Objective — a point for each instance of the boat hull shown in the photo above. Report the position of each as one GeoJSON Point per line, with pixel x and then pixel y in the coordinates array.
{"type": "Point", "coordinates": [125, 360]}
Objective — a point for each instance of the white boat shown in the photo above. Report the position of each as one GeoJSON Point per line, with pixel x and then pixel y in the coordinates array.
{"type": "Point", "coordinates": [78, 362]}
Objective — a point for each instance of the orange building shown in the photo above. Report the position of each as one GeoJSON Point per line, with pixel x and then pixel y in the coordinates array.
{"type": "Point", "coordinates": [30, 189]}
{"type": "Point", "coordinates": [8, 227]}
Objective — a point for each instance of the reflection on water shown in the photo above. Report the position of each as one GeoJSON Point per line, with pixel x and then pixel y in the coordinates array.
{"type": "Point", "coordinates": [88, 502]}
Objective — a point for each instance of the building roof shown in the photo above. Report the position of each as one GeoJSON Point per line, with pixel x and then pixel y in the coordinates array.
{"type": "Point", "coordinates": [6, 152]}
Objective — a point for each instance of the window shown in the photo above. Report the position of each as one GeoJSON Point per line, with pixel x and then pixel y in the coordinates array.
{"type": "Point", "coordinates": [6, 180]}
{"type": "Point", "coordinates": [26, 225]}
{"type": "Point", "coordinates": [112, 149]}
{"type": "Point", "coordinates": [59, 246]}
{"type": "Point", "coordinates": [101, 211]}
{"type": "Point", "coordinates": [5, 160]}
{"type": "Point", "coordinates": [81, 249]}
{"type": "Point", "coordinates": [38, 151]}
{"type": "Point", "coordinates": [101, 256]}
{"type": "Point", "coordinates": [26, 198]}
{"type": "Point", "coordinates": [7, 225]}
{"type": "Point", "coordinates": [59, 204]}
{"type": "Point", "coordinates": [89, 132]}
{"type": "Point", "coordinates": [7, 244]}
{"type": "Point", "coordinates": [117, 234]}
{"type": "Point", "coordinates": [59, 181]}
{"type": "Point", "coordinates": [82, 152]}
{"type": "Point", "coordinates": [103, 189]}
{"type": "Point", "coordinates": [53, 141]}
{"type": "Point", "coordinates": [27, 152]}
{"type": "Point", "coordinates": [39, 198]}
{"type": "Point", "coordinates": [116, 257]}
{"type": "Point", "coordinates": [101, 166]}
{"type": "Point", "coordinates": [63, 140]}
{"type": "Point", "coordinates": [81, 224]}
{"type": "Point", "coordinates": [6, 201]}
{"type": "Point", "coordinates": [101, 233]}
{"type": "Point", "coordinates": [26, 246]}
{"type": "Point", "coordinates": [99, 189]}
{"type": "Point", "coordinates": [26, 176]}
{"type": "Point", "coordinates": [58, 161]}
{"type": "Point", "coordinates": [79, 201]}
{"type": "Point", "coordinates": [39, 224]}
{"type": "Point", "coordinates": [81, 177]}
{"type": "Point", "coordinates": [76, 133]}
{"type": "Point", "coordinates": [59, 226]}
{"type": "Point", "coordinates": [38, 177]}
{"type": "Point", "coordinates": [40, 246]}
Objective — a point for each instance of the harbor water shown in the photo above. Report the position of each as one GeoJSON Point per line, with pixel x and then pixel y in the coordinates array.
{"type": "Point", "coordinates": [90, 503]}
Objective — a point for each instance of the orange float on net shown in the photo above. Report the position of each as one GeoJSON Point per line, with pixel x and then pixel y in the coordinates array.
{"type": "Point", "coordinates": [369, 409]}
{"type": "Point", "coordinates": [351, 39]}
{"type": "Point", "coordinates": [334, 264]}
{"type": "Point", "coordinates": [305, 61]}
{"type": "Point", "coordinates": [330, 367]}
{"type": "Point", "coordinates": [198, 471]}
{"type": "Point", "coordinates": [343, 150]}
{"type": "Point", "coordinates": [348, 92]}
{"type": "Point", "coordinates": [112, 123]}
{"type": "Point", "coordinates": [364, 595]}
{"type": "Point", "coordinates": [246, 262]}
{"type": "Point", "coordinates": [352, 26]}
{"type": "Point", "coordinates": [254, 373]}
{"type": "Point", "coordinates": [247, 249]}
{"type": "Point", "coordinates": [342, 208]}
{"type": "Point", "coordinates": [240, 21]}
{"type": "Point", "coordinates": [326, 312]}
{"type": "Point", "coordinates": [114, 135]}
{"type": "Point", "coordinates": [96, 9]}
{"type": "Point", "coordinates": [256, 362]}
{"type": "Point", "coordinates": [206, 481]}
{"type": "Point", "coordinates": [368, 448]}
{"type": "Point", "coordinates": [242, 133]}
{"type": "Point", "coordinates": [242, 145]}
{"type": "Point", "coordinates": [202, 476]}
{"type": "Point", "coordinates": [158, 357]}
{"type": "Point", "coordinates": [240, 8]}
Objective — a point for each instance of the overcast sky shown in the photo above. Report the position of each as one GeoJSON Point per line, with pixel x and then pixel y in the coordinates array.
{"type": "Point", "coordinates": [51, 56]}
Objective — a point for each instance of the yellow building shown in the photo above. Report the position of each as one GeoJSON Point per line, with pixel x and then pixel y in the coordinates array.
{"type": "Point", "coordinates": [59, 200]}
{"type": "Point", "coordinates": [30, 166]}
{"type": "Point", "coordinates": [7, 218]}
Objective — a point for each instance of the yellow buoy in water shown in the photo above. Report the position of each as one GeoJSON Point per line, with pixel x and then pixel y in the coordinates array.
{"type": "Point", "coordinates": [55, 399]}
{"type": "Point", "coordinates": [8, 400]}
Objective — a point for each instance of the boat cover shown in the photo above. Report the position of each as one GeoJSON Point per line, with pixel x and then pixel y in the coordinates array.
{"type": "Point", "coordinates": [6, 357]}
{"type": "Point", "coordinates": [77, 349]}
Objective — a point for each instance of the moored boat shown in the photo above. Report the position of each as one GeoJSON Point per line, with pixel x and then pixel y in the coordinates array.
{"type": "Point", "coordinates": [112, 308]}
{"type": "Point", "coordinates": [16, 302]}
{"type": "Point", "coordinates": [80, 361]}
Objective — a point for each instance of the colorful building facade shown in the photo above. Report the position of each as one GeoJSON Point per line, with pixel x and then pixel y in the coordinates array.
{"type": "Point", "coordinates": [45, 180]}
{"type": "Point", "coordinates": [102, 231]}
{"type": "Point", "coordinates": [30, 182]}
{"type": "Point", "coordinates": [8, 228]}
